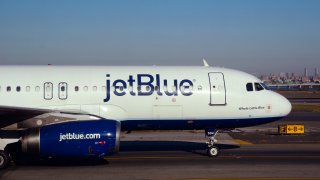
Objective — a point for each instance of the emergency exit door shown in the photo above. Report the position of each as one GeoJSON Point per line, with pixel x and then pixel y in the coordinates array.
{"type": "Point", "coordinates": [48, 91]}
{"type": "Point", "coordinates": [217, 89]}
{"type": "Point", "coordinates": [63, 90]}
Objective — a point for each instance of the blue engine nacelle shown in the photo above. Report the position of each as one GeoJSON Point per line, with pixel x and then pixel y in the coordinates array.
{"type": "Point", "coordinates": [73, 139]}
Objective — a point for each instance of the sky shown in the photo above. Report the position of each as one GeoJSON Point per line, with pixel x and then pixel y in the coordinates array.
{"type": "Point", "coordinates": [258, 37]}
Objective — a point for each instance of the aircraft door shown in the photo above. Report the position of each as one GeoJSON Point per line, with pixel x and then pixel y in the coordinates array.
{"type": "Point", "coordinates": [63, 90]}
{"type": "Point", "coordinates": [48, 91]}
{"type": "Point", "coordinates": [217, 89]}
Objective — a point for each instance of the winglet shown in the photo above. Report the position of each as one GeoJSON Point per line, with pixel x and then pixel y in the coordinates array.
{"type": "Point", "coordinates": [205, 63]}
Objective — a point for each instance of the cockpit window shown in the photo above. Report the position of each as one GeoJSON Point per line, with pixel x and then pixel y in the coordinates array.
{"type": "Point", "coordinates": [249, 87]}
{"type": "Point", "coordinates": [258, 87]}
{"type": "Point", "coordinates": [265, 86]}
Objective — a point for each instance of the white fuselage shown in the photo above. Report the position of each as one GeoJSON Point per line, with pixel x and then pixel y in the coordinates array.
{"type": "Point", "coordinates": [89, 89]}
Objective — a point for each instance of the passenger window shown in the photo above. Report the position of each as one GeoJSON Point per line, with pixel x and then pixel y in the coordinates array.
{"type": "Point", "coordinates": [139, 88]}
{"type": "Point", "coordinates": [28, 88]}
{"type": "Point", "coordinates": [8, 88]}
{"type": "Point", "coordinates": [147, 88]}
{"type": "Point", "coordinates": [156, 88]}
{"type": "Point", "coordinates": [76, 88]}
{"type": "Point", "coordinates": [258, 87]}
{"type": "Point", "coordinates": [63, 88]}
{"type": "Point", "coordinates": [121, 88]}
{"type": "Point", "coordinates": [94, 88]}
{"type": "Point", "coordinates": [37, 89]}
{"type": "Point", "coordinates": [18, 88]}
{"type": "Point", "coordinates": [85, 88]}
{"type": "Point", "coordinates": [249, 87]}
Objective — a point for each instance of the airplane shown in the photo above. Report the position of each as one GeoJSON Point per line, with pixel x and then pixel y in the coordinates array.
{"type": "Point", "coordinates": [80, 111]}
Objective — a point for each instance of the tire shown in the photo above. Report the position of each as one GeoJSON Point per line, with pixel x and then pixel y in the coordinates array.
{"type": "Point", "coordinates": [213, 151]}
{"type": "Point", "coordinates": [4, 159]}
{"type": "Point", "coordinates": [15, 152]}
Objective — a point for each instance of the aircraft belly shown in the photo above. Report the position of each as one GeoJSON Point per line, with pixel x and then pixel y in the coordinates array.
{"type": "Point", "coordinates": [175, 124]}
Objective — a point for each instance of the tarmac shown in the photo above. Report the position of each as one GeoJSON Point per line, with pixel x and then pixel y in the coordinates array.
{"type": "Point", "coordinates": [247, 153]}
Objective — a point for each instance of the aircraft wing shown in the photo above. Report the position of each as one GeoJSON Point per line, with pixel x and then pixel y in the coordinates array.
{"type": "Point", "coordinates": [10, 115]}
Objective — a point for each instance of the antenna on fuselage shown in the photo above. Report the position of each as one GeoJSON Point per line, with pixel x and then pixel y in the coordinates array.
{"type": "Point", "coordinates": [205, 63]}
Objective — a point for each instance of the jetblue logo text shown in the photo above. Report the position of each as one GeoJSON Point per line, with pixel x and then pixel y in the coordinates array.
{"type": "Point", "coordinates": [146, 85]}
{"type": "Point", "coordinates": [74, 136]}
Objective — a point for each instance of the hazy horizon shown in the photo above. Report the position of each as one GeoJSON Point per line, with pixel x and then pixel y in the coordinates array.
{"type": "Point", "coordinates": [259, 37]}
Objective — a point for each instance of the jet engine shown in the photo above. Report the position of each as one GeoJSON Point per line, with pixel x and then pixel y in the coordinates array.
{"type": "Point", "coordinates": [73, 139]}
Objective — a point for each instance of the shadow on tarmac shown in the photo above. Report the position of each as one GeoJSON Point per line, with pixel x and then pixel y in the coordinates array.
{"type": "Point", "coordinates": [29, 161]}
{"type": "Point", "coordinates": [125, 146]}
{"type": "Point", "coordinates": [193, 147]}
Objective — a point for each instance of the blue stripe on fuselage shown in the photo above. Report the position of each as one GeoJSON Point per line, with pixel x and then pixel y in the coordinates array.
{"type": "Point", "coordinates": [193, 124]}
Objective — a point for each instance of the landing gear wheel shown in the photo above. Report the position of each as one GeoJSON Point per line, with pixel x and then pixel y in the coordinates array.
{"type": "Point", "coordinates": [213, 151]}
{"type": "Point", "coordinates": [4, 159]}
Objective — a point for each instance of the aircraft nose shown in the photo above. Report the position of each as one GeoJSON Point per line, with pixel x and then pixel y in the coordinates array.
{"type": "Point", "coordinates": [282, 106]}
{"type": "Point", "coordinates": [285, 106]}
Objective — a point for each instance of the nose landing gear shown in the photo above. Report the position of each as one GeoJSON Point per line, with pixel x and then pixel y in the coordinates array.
{"type": "Point", "coordinates": [212, 149]}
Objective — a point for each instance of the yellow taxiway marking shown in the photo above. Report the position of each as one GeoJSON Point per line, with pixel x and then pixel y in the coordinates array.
{"type": "Point", "coordinates": [251, 179]}
{"type": "Point", "coordinates": [201, 157]}
{"type": "Point", "coordinates": [242, 142]}
{"type": "Point", "coordinates": [291, 144]}
{"type": "Point", "coordinates": [248, 143]}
